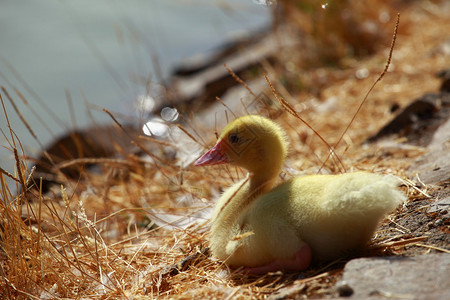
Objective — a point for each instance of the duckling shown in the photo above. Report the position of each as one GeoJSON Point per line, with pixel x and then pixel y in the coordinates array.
{"type": "Point", "coordinates": [310, 218]}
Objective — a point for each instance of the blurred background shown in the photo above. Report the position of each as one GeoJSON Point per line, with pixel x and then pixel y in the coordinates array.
{"type": "Point", "coordinates": [63, 62]}
{"type": "Point", "coordinates": [70, 57]}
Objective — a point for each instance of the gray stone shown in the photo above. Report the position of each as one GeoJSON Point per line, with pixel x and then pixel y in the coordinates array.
{"type": "Point", "coordinates": [419, 277]}
{"type": "Point", "coordinates": [434, 167]}
{"type": "Point", "coordinates": [440, 205]}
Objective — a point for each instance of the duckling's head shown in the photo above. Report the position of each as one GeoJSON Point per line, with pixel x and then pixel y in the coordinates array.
{"type": "Point", "coordinates": [252, 142]}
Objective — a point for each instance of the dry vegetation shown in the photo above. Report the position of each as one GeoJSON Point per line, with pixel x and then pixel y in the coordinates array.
{"type": "Point", "coordinates": [101, 236]}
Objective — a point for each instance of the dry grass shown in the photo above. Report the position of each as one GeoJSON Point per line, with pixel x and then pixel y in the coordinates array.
{"type": "Point", "coordinates": [341, 28]}
{"type": "Point", "coordinates": [99, 237]}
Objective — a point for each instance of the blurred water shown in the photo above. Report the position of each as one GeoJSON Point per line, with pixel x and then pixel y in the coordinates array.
{"type": "Point", "coordinates": [100, 52]}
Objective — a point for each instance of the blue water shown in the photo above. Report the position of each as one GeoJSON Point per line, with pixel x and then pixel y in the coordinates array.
{"type": "Point", "coordinates": [100, 52]}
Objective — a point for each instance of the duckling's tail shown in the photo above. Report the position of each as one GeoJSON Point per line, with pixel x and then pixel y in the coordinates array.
{"type": "Point", "coordinates": [351, 207]}
{"type": "Point", "coordinates": [363, 194]}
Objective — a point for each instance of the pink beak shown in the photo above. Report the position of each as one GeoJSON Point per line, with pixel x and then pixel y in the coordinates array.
{"type": "Point", "coordinates": [214, 156]}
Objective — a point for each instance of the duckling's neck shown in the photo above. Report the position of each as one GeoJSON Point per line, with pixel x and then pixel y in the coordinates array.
{"type": "Point", "coordinates": [261, 182]}
{"type": "Point", "coordinates": [258, 182]}
{"type": "Point", "coordinates": [241, 195]}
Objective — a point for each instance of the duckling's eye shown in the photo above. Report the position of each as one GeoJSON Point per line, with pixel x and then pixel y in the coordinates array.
{"type": "Point", "coordinates": [233, 138]}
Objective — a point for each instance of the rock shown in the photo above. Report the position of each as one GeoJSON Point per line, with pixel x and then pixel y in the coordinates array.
{"type": "Point", "coordinates": [288, 292]}
{"type": "Point", "coordinates": [434, 167]}
{"type": "Point", "coordinates": [196, 85]}
{"type": "Point", "coordinates": [417, 121]}
{"type": "Point", "coordinates": [419, 277]}
{"type": "Point", "coordinates": [344, 289]}
{"type": "Point", "coordinates": [211, 79]}
{"type": "Point", "coordinates": [234, 98]}
{"type": "Point", "coordinates": [440, 205]}
{"type": "Point", "coordinates": [93, 142]}
{"type": "Point", "coordinates": [425, 123]}
{"type": "Point", "coordinates": [445, 85]}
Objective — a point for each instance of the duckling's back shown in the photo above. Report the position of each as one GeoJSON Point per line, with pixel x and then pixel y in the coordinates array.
{"type": "Point", "coordinates": [334, 213]}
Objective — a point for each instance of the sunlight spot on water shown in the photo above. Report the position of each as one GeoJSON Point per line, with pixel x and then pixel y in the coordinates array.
{"type": "Point", "coordinates": [324, 6]}
{"type": "Point", "coordinates": [145, 103]}
{"type": "Point", "coordinates": [169, 114]}
{"type": "Point", "coordinates": [265, 2]}
{"type": "Point", "coordinates": [155, 127]}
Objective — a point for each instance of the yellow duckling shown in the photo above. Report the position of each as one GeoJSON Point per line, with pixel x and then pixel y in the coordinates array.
{"type": "Point", "coordinates": [317, 217]}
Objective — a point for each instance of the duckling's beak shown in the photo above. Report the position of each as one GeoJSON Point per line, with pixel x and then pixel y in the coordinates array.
{"type": "Point", "coordinates": [214, 156]}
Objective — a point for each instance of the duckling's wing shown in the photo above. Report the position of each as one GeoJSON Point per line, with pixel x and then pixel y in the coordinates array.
{"type": "Point", "coordinates": [337, 213]}
{"type": "Point", "coordinates": [362, 193]}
